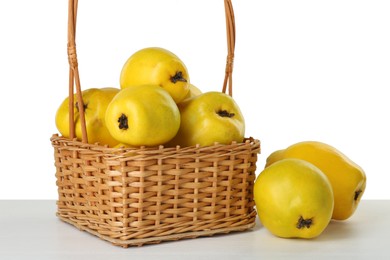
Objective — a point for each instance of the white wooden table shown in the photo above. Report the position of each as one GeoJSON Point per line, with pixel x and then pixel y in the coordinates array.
{"type": "Point", "coordinates": [29, 229]}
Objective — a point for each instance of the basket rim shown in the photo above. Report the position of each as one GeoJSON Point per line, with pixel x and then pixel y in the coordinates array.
{"type": "Point", "coordinates": [250, 141]}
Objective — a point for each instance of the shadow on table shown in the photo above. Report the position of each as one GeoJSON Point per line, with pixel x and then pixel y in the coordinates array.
{"type": "Point", "coordinates": [338, 230]}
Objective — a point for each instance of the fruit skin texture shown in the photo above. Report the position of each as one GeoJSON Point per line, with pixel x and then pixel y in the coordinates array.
{"type": "Point", "coordinates": [208, 118]}
{"type": "Point", "coordinates": [156, 66]}
{"type": "Point", "coordinates": [193, 92]}
{"type": "Point", "coordinates": [95, 101]}
{"type": "Point", "coordinates": [347, 178]}
{"type": "Point", "coordinates": [274, 157]}
{"type": "Point", "coordinates": [294, 199]}
{"type": "Point", "coordinates": [143, 115]}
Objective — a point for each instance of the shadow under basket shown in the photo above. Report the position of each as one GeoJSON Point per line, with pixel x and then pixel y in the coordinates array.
{"type": "Point", "coordinates": [137, 196]}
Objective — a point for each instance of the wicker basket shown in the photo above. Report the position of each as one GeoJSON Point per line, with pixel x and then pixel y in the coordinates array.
{"type": "Point", "coordinates": [137, 196]}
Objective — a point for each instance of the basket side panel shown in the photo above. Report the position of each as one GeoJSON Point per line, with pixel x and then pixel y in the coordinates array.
{"type": "Point", "coordinates": [157, 193]}
{"type": "Point", "coordinates": [190, 191]}
{"type": "Point", "coordinates": [83, 187]}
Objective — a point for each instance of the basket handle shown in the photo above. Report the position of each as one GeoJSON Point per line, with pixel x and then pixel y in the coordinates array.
{"type": "Point", "coordinates": [231, 42]}
{"type": "Point", "coordinates": [74, 77]}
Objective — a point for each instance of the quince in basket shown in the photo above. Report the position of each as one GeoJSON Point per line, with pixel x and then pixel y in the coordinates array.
{"type": "Point", "coordinates": [193, 92]}
{"type": "Point", "coordinates": [156, 66]}
{"type": "Point", "coordinates": [143, 115]}
{"type": "Point", "coordinates": [95, 104]}
{"type": "Point", "coordinates": [208, 118]}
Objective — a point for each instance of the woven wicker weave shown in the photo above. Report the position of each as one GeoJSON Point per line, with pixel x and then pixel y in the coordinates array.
{"type": "Point", "coordinates": [136, 196]}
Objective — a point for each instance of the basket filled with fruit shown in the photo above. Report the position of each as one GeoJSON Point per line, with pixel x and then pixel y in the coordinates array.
{"type": "Point", "coordinates": [134, 170]}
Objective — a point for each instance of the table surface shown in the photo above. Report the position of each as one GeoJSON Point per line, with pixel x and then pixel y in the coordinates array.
{"type": "Point", "coordinates": [29, 229]}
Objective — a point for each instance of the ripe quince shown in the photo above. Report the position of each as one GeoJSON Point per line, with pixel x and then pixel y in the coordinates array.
{"type": "Point", "coordinates": [95, 102]}
{"type": "Point", "coordinates": [347, 178]}
{"type": "Point", "coordinates": [143, 115]}
{"type": "Point", "coordinates": [156, 66]}
{"type": "Point", "coordinates": [208, 118]}
{"type": "Point", "coordinates": [294, 199]}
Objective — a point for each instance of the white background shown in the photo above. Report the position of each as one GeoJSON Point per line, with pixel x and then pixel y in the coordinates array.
{"type": "Point", "coordinates": [304, 70]}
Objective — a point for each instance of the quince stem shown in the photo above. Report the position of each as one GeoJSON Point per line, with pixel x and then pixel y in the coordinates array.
{"type": "Point", "coordinates": [123, 122]}
{"type": "Point", "coordinates": [224, 113]}
{"type": "Point", "coordinates": [85, 105]}
{"type": "Point", "coordinates": [178, 77]}
{"type": "Point", "coordinates": [302, 223]}
{"type": "Point", "coordinates": [357, 194]}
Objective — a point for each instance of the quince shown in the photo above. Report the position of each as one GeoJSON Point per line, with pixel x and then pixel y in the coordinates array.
{"type": "Point", "coordinates": [211, 117]}
{"type": "Point", "coordinates": [156, 66]}
{"type": "Point", "coordinates": [294, 199]}
{"type": "Point", "coordinates": [347, 178]}
{"type": "Point", "coordinates": [95, 103]}
{"type": "Point", "coordinates": [143, 115]}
